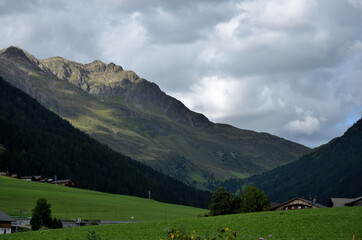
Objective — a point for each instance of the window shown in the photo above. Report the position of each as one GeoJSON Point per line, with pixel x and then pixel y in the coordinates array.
{"type": "Point", "coordinates": [299, 207]}
{"type": "Point", "coordinates": [286, 208]}
{"type": "Point", "coordinates": [292, 207]}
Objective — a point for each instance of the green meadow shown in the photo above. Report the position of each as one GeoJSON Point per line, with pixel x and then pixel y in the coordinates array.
{"type": "Point", "coordinates": [337, 223]}
{"type": "Point", "coordinates": [72, 203]}
{"type": "Point", "coordinates": [68, 203]}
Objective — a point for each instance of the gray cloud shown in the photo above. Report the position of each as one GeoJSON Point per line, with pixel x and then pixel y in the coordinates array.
{"type": "Point", "coordinates": [287, 67]}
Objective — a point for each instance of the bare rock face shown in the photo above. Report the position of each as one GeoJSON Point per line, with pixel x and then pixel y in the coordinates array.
{"type": "Point", "coordinates": [110, 81]}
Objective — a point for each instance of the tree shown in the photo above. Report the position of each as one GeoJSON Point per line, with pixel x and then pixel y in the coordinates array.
{"type": "Point", "coordinates": [253, 200]}
{"type": "Point", "coordinates": [221, 202]}
{"type": "Point", "coordinates": [42, 209]}
{"type": "Point", "coordinates": [35, 222]}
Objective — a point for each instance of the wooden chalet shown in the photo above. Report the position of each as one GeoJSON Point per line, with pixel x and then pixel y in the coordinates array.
{"type": "Point", "coordinates": [26, 178]}
{"type": "Point", "coordinates": [67, 183]}
{"type": "Point", "coordinates": [298, 203]}
{"type": "Point", "coordinates": [345, 202]}
{"type": "Point", "coordinates": [15, 175]}
{"type": "Point", "coordinates": [5, 223]}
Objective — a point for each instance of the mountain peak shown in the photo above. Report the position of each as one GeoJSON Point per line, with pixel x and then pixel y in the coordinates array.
{"type": "Point", "coordinates": [12, 52]}
{"type": "Point", "coordinates": [17, 54]}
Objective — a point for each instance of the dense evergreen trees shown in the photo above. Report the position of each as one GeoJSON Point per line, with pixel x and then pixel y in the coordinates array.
{"type": "Point", "coordinates": [38, 142]}
{"type": "Point", "coordinates": [332, 170]}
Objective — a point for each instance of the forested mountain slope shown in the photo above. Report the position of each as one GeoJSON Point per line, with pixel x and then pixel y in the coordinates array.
{"type": "Point", "coordinates": [133, 116]}
{"type": "Point", "coordinates": [35, 141]}
{"type": "Point", "coordinates": [332, 170]}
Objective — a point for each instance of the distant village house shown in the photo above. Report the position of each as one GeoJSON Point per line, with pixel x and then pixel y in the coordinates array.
{"type": "Point", "coordinates": [67, 183]}
{"type": "Point", "coordinates": [5, 223]}
{"type": "Point", "coordinates": [298, 203]}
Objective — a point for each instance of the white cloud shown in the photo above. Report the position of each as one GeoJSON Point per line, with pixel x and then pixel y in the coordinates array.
{"type": "Point", "coordinates": [305, 123]}
{"type": "Point", "coordinates": [246, 63]}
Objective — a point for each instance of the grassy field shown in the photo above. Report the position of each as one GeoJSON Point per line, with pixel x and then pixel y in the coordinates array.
{"type": "Point", "coordinates": [72, 203]}
{"type": "Point", "coordinates": [338, 223]}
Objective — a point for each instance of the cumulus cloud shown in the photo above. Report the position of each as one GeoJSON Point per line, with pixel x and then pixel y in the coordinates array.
{"type": "Point", "coordinates": [288, 67]}
{"type": "Point", "coordinates": [305, 123]}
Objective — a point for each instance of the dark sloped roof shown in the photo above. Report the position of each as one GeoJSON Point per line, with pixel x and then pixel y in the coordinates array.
{"type": "Point", "coordinates": [339, 202]}
{"type": "Point", "coordinates": [274, 204]}
{"type": "Point", "coordinates": [4, 217]}
{"type": "Point", "coordinates": [353, 200]}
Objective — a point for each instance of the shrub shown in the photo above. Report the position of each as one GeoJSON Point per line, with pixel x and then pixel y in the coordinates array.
{"type": "Point", "coordinates": [92, 235]}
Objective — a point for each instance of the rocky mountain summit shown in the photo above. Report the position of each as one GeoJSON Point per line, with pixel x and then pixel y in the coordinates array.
{"type": "Point", "coordinates": [110, 82]}
{"type": "Point", "coordinates": [133, 116]}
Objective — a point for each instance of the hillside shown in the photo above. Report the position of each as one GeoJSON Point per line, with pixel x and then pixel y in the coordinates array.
{"type": "Point", "coordinates": [332, 170]}
{"type": "Point", "coordinates": [38, 142]}
{"type": "Point", "coordinates": [134, 117]}
{"type": "Point", "coordinates": [331, 223]}
{"type": "Point", "coordinates": [72, 203]}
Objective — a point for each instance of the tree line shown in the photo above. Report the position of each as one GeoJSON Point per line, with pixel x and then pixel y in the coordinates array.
{"type": "Point", "coordinates": [252, 199]}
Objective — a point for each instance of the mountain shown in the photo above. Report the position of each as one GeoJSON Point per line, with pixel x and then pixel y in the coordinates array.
{"type": "Point", "coordinates": [35, 141]}
{"type": "Point", "coordinates": [332, 170]}
{"type": "Point", "coordinates": [133, 116]}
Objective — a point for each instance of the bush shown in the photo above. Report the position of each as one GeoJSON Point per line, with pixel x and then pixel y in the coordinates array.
{"type": "Point", "coordinates": [92, 235]}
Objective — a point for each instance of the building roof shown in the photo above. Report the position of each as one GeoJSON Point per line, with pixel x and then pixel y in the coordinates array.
{"type": "Point", "coordinates": [4, 217]}
{"type": "Point", "coordinates": [339, 202]}
{"type": "Point", "coordinates": [318, 205]}
{"type": "Point", "coordinates": [274, 204]}
{"type": "Point", "coordinates": [64, 181]}
{"type": "Point", "coordinates": [353, 201]}
{"type": "Point", "coordinates": [26, 177]}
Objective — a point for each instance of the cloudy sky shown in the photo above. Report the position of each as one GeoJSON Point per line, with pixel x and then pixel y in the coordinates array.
{"type": "Point", "coordinates": [292, 68]}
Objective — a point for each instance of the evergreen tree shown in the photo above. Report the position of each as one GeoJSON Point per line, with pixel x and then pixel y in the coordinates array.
{"type": "Point", "coordinates": [35, 221]}
{"type": "Point", "coordinates": [60, 224]}
{"type": "Point", "coordinates": [42, 209]}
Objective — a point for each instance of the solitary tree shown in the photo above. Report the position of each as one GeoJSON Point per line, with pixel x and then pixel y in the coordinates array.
{"type": "Point", "coordinates": [221, 202]}
{"type": "Point", "coordinates": [253, 200]}
{"type": "Point", "coordinates": [43, 212]}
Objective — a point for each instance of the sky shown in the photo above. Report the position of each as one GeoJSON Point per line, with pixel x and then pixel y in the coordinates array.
{"type": "Point", "coordinates": [292, 68]}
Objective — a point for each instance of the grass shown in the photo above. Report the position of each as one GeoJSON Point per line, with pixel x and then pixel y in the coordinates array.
{"type": "Point", "coordinates": [72, 203]}
{"type": "Point", "coordinates": [239, 175]}
{"type": "Point", "coordinates": [336, 223]}
{"type": "Point", "coordinates": [198, 178]}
